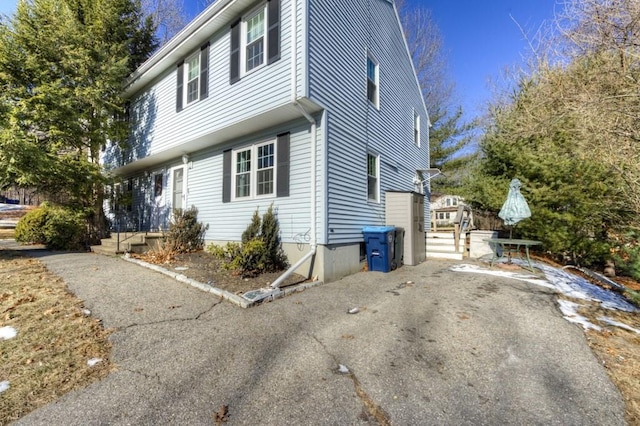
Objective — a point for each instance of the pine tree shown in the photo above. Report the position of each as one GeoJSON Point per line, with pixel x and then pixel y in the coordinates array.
{"type": "Point", "coordinates": [62, 66]}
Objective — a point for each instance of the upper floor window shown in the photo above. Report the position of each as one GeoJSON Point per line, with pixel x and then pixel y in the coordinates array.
{"type": "Point", "coordinates": [451, 202]}
{"type": "Point", "coordinates": [372, 81]}
{"type": "Point", "coordinates": [254, 30]}
{"type": "Point", "coordinates": [373, 178]}
{"type": "Point", "coordinates": [416, 128]}
{"type": "Point", "coordinates": [255, 40]}
{"type": "Point", "coordinates": [193, 78]}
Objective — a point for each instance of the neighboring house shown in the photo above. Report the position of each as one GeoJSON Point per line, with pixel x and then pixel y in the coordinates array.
{"type": "Point", "coordinates": [444, 209]}
{"type": "Point", "coordinates": [312, 106]}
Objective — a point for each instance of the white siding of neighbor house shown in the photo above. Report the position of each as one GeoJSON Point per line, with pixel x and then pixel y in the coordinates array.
{"type": "Point", "coordinates": [340, 36]}
{"type": "Point", "coordinates": [158, 127]}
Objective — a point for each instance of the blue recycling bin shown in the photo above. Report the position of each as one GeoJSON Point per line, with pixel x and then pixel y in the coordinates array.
{"type": "Point", "coordinates": [379, 242]}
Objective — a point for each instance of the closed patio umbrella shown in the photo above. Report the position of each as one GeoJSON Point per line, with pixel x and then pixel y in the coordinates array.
{"type": "Point", "coordinates": [515, 208]}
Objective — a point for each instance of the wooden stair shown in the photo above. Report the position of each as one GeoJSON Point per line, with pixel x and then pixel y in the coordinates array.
{"type": "Point", "coordinates": [139, 242]}
{"type": "Point", "coordinates": [441, 245]}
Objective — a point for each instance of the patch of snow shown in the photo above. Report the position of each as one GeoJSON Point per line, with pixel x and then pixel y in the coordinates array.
{"type": "Point", "coordinates": [4, 385]}
{"type": "Point", "coordinates": [342, 369]}
{"type": "Point", "coordinates": [7, 333]}
{"type": "Point", "coordinates": [94, 361]}
{"type": "Point", "coordinates": [570, 311]}
{"type": "Point", "coordinates": [353, 310]}
{"type": "Point", "coordinates": [564, 282]}
{"type": "Point", "coordinates": [86, 312]}
{"type": "Point", "coordinates": [619, 324]}
{"type": "Point", "coordinates": [580, 288]}
{"type": "Point", "coordinates": [181, 268]}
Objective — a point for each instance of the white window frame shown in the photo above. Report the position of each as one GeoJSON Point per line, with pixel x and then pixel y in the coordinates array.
{"type": "Point", "coordinates": [253, 171]}
{"type": "Point", "coordinates": [376, 157]}
{"type": "Point", "coordinates": [376, 80]}
{"type": "Point", "coordinates": [416, 128]}
{"type": "Point", "coordinates": [187, 69]}
{"type": "Point", "coordinates": [262, 8]}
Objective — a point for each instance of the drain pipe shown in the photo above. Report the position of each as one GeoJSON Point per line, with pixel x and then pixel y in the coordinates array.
{"type": "Point", "coordinates": [313, 245]}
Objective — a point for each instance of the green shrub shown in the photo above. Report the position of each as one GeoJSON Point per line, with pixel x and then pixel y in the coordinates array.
{"type": "Point", "coordinates": [260, 251]}
{"type": "Point", "coordinates": [249, 261]}
{"type": "Point", "coordinates": [273, 257]}
{"type": "Point", "coordinates": [627, 254]}
{"type": "Point", "coordinates": [253, 230]}
{"type": "Point", "coordinates": [227, 252]}
{"type": "Point", "coordinates": [185, 233]}
{"type": "Point", "coordinates": [30, 228]}
{"type": "Point", "coordinates": [58, 228]}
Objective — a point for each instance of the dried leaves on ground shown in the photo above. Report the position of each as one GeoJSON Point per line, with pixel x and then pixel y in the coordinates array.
{"type": "Point", "coordinates": [54, 342]}
{"type": "Point", "coordinates": [205, 268]}
{"type": "Point", "coordinates": [619, 351]}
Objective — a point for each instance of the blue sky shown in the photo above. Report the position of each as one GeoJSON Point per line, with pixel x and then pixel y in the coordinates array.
{"type": "Point", "coordinates": [481, 39]}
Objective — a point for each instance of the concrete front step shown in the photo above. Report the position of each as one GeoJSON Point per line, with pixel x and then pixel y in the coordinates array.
{"type": "Point", "coordinates": [136, 243]}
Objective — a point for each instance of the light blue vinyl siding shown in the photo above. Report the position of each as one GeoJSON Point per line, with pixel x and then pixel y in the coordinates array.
{"type": "Point", "coordinates": [159, 127]}
{"type": "Point", "coordinates": [227, 221]}
{"type": "Point", "coordinates": [341, 36]}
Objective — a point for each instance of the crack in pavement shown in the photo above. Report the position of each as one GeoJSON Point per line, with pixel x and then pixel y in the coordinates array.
{"type": "Point", "coordinates": [155, 376]}
{"type": "Point", "coordinates": [195, 318]}
{"type": "Point", "coordinates": [369, 404]}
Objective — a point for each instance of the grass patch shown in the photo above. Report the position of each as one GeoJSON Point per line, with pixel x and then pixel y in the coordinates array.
{"type": "Point", "coordinates": [54, 341]}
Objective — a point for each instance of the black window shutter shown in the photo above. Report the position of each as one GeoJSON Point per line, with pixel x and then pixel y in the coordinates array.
{"type": "Point", "coordinates": [226, 176]}
{"type": "Point", "coordinates": [273, 33]}
{"type": "Point", "coordinates": [180, 85]}
{"type": "Point", "coordinates": [204, 71]}
{"type": "Point", "coordinates": [282, 171]}
{"type": "Point", "coordinates": [234, 74]}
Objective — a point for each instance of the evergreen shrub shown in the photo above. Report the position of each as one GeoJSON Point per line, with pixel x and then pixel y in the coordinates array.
{"type": "Point", "coordinates": [58, 228]}
{"type": "Point", "coordinates": [261, 248]}
{"type": "Point", "coordinates": [185, 233]}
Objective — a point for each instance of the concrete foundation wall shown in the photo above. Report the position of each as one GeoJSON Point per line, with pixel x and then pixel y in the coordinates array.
{"type": "Point", "coordinates": [330, 263]}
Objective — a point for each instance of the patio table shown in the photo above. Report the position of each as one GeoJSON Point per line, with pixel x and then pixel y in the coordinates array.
{"type": "Point", "coordinates": [508, 245]}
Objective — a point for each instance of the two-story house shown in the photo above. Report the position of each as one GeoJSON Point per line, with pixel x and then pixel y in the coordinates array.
{"type": "Point", "coordinates": [311, 105]}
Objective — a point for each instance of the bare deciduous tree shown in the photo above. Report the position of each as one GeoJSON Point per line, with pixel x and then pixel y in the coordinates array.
{"type": "Point", "coordinates": [449, 136]}
{"type": "Point", "coordinates": [168, 15]}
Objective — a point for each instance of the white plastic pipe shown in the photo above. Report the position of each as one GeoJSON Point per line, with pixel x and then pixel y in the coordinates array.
{"type": "Point", "coordinates": [313, 245]}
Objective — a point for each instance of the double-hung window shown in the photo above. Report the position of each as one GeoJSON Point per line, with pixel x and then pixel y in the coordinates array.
{"type": "Point", "coordinates": [372, 81]}
{"type": "Point", "coordinates": [254, 32]}
{"type": "Point", "coordinates": [255, 40]}
{"type": "Point", "coordinates": [243, 173]}
{"type": "Point", "coordinates": [254, 171]}
{"type": "Point", "coordinates": [193, 78]}
{"type": "Point", "coordinates": [373, 177]}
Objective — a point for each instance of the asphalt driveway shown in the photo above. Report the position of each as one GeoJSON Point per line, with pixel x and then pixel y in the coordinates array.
{"type": "Point", "coordinates": [428, 347]}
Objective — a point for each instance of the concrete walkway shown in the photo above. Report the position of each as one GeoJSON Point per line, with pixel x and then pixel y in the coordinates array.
{"type": "Point", "coordinates": [448, 348]}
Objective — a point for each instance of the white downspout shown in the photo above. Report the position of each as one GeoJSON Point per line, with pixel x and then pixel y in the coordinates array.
{"type": "Point", "coordinates": [314, 142]}
{"type": "Point", "coordinates": [294, 51]}
{"type": "Point", "coordinates": [312, 247]}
